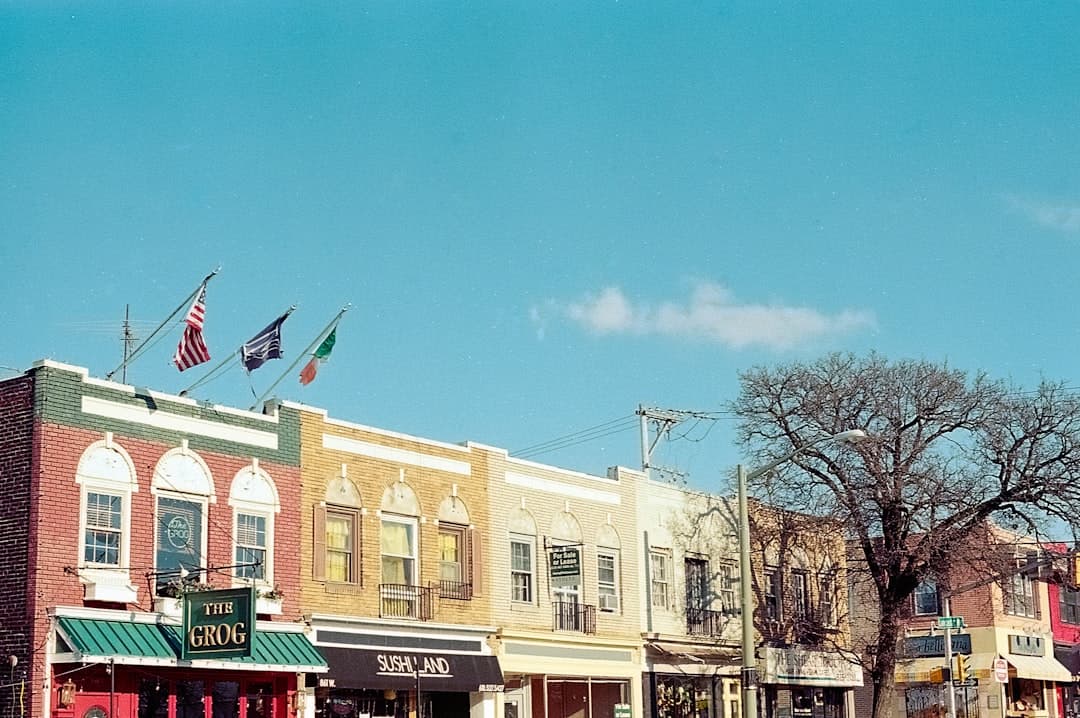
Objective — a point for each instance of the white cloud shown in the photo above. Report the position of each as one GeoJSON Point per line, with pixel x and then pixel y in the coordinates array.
{"type": "Point", "coordinates": [712, 314]}
{"type": "Point", "coordinates": [1062, 216]}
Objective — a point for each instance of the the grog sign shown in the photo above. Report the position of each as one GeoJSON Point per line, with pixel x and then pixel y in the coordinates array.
{"type": "Point", "coordinates": [218, 624]}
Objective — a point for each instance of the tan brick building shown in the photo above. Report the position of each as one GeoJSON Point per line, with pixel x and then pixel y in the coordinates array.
{"type": "Point", "coordinates": [394, 578]}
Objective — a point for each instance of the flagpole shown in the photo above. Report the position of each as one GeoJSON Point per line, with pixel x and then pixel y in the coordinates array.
{"type": "Point", "coordinates": [239, 352]}
{"type": "Point", "coordinates": [206, 377]}
{"type": "Point", "coordinates": [310, 347]}
{"type": "Point", "coordinates": [131, 357]}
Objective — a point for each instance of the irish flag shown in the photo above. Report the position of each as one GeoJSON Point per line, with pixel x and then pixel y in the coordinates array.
{"type": "Point", "coordinates": [307, 374]}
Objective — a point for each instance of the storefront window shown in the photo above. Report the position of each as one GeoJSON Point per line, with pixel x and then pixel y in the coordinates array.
{"type": "Point", "coordinates": [585, 699]}
{"type": "Point", "coordinates": [189, 699]}
{"type": "Point", "coordinates": [1026, 694]}
{"type": "Point", "coordinates": [258, 700]}
{"type": "Point", "coordinates": [347, 703]}
{"type": "Point", "coordinates": [682, 697]}
{"type": "Point", "coordinates": [226, 699]}
{"type": "Point", "coordinates": [153, 698]}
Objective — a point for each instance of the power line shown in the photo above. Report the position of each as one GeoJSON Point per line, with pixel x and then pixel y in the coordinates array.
{"type": "Point", "coordinates": [614, 426]}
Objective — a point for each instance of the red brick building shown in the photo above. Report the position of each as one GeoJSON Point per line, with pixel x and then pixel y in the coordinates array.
{"type": "Point", "coordinates": [117, 501]}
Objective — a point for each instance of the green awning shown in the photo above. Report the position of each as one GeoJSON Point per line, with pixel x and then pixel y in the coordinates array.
{"type": "Point", "coordinates": [93, 639]}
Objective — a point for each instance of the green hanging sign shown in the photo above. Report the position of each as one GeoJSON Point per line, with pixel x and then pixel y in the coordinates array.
{"type": "Point", "coordinates": [218, 624]}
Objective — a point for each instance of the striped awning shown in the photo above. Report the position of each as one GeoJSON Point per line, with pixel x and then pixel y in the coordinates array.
{"type": "Point", "coordinates": [105, 640]}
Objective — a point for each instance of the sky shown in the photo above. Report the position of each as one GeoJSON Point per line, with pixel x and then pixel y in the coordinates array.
{"type": "Point", "coordinates": [543, 215]}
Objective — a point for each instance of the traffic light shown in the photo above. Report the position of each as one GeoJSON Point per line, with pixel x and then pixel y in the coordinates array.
{"type": "Point", "coordinates": [963, 668]}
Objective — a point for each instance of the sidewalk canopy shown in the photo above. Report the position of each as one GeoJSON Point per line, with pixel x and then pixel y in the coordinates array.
{"type": "Point", "coordinates": [102, 640]}
{"type": "Point", "coordinates": [1043, 668]}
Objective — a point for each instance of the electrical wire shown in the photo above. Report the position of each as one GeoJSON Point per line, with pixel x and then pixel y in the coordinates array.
{"type": "Point", "coordinates": [614, 426]}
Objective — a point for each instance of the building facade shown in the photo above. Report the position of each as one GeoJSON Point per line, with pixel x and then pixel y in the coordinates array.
{"type": "Point", "coordinates": [119, 502]}
{"type": "Point", "coordinates": [691, 607]}
{"type": "Point", "coordinates": [1006, 641]}
{"type": "Point", "coordinates": [395, 585]}
{"type": "Point", "coordinates": [805, 663]}
{"type": "Point", "coordinates": [565, 570]}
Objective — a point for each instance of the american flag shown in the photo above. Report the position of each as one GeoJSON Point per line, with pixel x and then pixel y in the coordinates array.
{"type": "Point", "coordinates": [192, 351]}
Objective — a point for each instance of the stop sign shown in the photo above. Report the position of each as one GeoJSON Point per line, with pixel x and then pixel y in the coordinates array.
{"type": "Point", "coordinates": [1001, 670]}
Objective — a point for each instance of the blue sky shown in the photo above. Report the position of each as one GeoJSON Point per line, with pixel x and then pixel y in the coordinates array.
{"type": "Point", "coordinates": [543, 214]}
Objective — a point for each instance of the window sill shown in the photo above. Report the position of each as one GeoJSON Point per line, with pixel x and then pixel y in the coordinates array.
{"type": "Point", "coordinates": [344, 589]}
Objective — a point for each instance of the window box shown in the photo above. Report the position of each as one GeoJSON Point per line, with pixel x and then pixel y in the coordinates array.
{"type": "Point", "coordinates": [264, 605]}
{"type": "Point", "coordinates": [168, 606]}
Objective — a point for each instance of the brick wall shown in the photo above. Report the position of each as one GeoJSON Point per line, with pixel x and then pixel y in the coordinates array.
{"type": "Point", "coordinates": [374, 466]}
{"type": "Point", "coordinates": [16, 472]}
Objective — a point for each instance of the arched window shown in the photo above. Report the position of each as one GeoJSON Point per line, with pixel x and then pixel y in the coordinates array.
{"type": "Point", "coordinates": [254, 500]}
{"type": "Point", "coordinates": [522, 529]}
{"type": "Point", "coordinates": [607, 568]}
{"type": "Point", "coordinates": [183, 489]}
{"type": "Point", "coordinates": [399, 538]}
{"type": "Point", "coordinates": [106, 476]}
{"type": "Point", "coordinates": [460, 570]}
{"type": "Point", "coordinates": [566, 582]}
{"type": "Point", "coordinates": [338, 556]}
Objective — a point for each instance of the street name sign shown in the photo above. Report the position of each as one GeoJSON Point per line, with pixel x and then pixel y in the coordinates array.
{"type": "Point", "coordinates": [953, 623]}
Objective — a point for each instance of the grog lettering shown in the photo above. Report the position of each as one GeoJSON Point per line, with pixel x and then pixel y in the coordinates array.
{"type": "Point", "coordinates": [221, 635]}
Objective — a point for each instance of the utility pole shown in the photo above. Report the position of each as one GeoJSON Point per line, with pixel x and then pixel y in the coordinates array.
{"type": "Point", "coordinates": [128, 337]}
{"type": "Point", "coordinates": [662, 421]}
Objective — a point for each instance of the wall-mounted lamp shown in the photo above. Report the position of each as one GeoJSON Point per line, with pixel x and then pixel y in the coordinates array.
{"type": "Point", "coordinates": [66, 699]}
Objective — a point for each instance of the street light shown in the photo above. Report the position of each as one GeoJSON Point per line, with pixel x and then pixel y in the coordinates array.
{"type": "Point", "coordinates": [749, 664]}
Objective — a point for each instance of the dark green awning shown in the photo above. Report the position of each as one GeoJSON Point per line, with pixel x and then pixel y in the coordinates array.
{"type": "Point", "coordinates": [94, 639]}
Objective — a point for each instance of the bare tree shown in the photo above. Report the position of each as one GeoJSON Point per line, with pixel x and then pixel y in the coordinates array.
{"type": "Point", "coordinates": [948, 453]}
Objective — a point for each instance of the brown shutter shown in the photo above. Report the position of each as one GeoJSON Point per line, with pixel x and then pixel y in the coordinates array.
{"type": "Point", "coordinates": [358, 549]}
{"type": "Point", "coordinates": [318, 551]}
{"type": "Point", "coordinates": [476, 561]}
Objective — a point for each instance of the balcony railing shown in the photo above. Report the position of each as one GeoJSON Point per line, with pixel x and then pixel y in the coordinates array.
{"type": "Point", "coordinates": [397, 600]}
{"type": "Point", "coordinates": [454, 590]}
{"type": "Point", "coordinates": [703, 622]}
{"type": "Point", "coordinates": [579, 617]}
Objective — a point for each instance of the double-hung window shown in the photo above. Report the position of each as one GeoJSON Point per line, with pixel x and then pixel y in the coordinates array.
{"type": "Point", "coordinates": [103, 534]}
{"type": "Point", "coordinates": [1070, 605]}
{"type": "Point", "coordinates": [800, 594]}
{"type": "Point", "coordinates": [926, 598]}
{"type": "Point", "coordinates": [660, 578]}
{"type": "Point", "coordinates": [254, 501]}
{"type": "Point", "coordinates": [607, 578]}
{"type": "Point", "coordinates": [522, 570]}
{"type": "Point", "coordinates": [341, 542]}
{"type": "Point", "coordinates": [251, 546]}
{"type": "Point", "coordinates": [106, 477]}
{"type": "Point", "coordinates": [400, 592]}
{"type": "Point", "coordinates": [726, 582]}
{"type": "Point", "coordinates": [1021, 598]}
{"type": "Point", "coordinates": [774, 603]}
{"type": "Point", "coordinates": [827, 598]}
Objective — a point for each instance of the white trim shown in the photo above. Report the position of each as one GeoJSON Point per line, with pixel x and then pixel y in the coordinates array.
{"type": "Point", "coordinates": [561, 472]}
{"type": "Point", "coordinates": [401, 456]}
{"type": "Point", "coordinates": [557, 487]}
{"type": "Point", "coordinates": [184, 424]}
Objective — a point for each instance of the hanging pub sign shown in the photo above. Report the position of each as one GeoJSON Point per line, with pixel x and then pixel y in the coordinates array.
{"type": "Point", "coordinates": [565, 565]}
{"type": "Point", "coordinates": [218, 624]}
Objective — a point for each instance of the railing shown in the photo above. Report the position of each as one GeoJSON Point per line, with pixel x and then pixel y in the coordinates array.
{"type": "Point", "coordinates": [455, 590]}
{"type": "Point", "coordinates": [703, 622]}
{"type": "Point", "coordinates": [397, 600]}
{"type": "Point", "coordinates": [579, 617]}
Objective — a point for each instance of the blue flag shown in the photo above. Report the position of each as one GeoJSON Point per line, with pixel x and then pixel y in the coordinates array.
{"type": "Point", "coordinates": [263, 346]}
